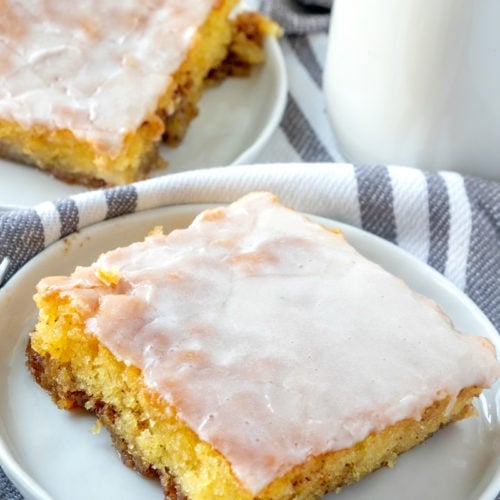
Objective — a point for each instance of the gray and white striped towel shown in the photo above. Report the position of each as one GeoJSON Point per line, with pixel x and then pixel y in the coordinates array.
{"type": "Point", "coordinates": [447, 220]}
{"type": "Point", "coordinates": [451, 222]}
{"type": "Point", "coordinates": [299, 16]}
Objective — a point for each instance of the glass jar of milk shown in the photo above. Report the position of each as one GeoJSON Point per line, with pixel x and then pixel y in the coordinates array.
{"type": "Point", "coordinates": [416, 82]}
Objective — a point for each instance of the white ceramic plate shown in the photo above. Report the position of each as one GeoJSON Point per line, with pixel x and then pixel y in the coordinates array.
{"type": "Point", "coordinates": [51, 454]}
{"type": "Point", "coordinates": [235, 121]}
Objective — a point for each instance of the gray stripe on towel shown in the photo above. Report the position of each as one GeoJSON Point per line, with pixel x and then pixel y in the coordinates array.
{"type": "Point", "coordinates": [305, 54]}
{"type": "Point", "coordinates": [22, 238]}
{"type": "Point", "coordinates": [121, 200]}
{"type": "Point", "coordinates": [301, 135]}
{"type": "Point", "coordinates": [439, 221]}
{"type": "Point", "coordinates": [483, 266]}
{"type": "Point", "coordinates": [7, 489]}
{"type": "Point", "coordinates": [68, 213]}
{"type": "Point", "coordinates": [376, 201]}
{"type": "Point", "coordinates": [296, 18]}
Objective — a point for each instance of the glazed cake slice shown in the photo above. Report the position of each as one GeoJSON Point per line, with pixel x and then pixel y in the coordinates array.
{"type": "Point", "coordinates": [88, 89]}
{"type": "Point", "coordinates": [253, 355]}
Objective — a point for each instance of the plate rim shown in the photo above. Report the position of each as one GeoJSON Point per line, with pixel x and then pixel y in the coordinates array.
{"type": "Point", "coordinates": [29, 487]}
{"type": "Point", "coordinates": [276, 56]}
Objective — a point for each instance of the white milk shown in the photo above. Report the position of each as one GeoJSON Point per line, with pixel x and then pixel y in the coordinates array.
{"type": "Point", "coordinates": [416, 82]}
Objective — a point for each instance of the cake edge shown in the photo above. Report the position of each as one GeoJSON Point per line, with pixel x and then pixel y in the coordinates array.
{"type": "Point", "coordinates": [317, 476]}
{"type": "Point", "coordinates": [77, 161]}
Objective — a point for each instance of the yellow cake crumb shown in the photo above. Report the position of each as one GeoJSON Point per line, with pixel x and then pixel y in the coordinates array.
{"type": "Point", "coordinates": [110, 276]}
{"type": "Point", "coordinates": [97, 427]}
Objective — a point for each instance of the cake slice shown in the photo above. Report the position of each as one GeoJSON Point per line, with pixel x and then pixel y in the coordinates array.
{"type": "Point", "coordinates": [253, 355]}
{"type": "Point", "coordinates": [88, 89]}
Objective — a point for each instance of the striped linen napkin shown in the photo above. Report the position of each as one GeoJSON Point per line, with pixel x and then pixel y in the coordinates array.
{"type": "Point", "coordinates": [447, 220]}
{"type": "Point", "coordinates": [299, 16]}
{"type": "Point", "coordinates": [450, 221]}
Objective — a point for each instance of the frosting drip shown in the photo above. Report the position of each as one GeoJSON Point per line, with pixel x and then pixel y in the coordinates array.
{"type": "Point", "coordinates": [274, 339]}
{"type": "Point", "coordinates": [95, 67]}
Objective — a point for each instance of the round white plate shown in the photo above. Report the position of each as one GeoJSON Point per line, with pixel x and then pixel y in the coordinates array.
{"type": "Point", "coordinates": [51, 453]}
{"type": "Point", "coordinates": [235, 121]}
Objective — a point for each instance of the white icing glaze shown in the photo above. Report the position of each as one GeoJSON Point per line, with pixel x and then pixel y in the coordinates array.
{"type": "Point", "coordinates": [274, 339]}
{"type": "Point", "coordinates": [96, 67]}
